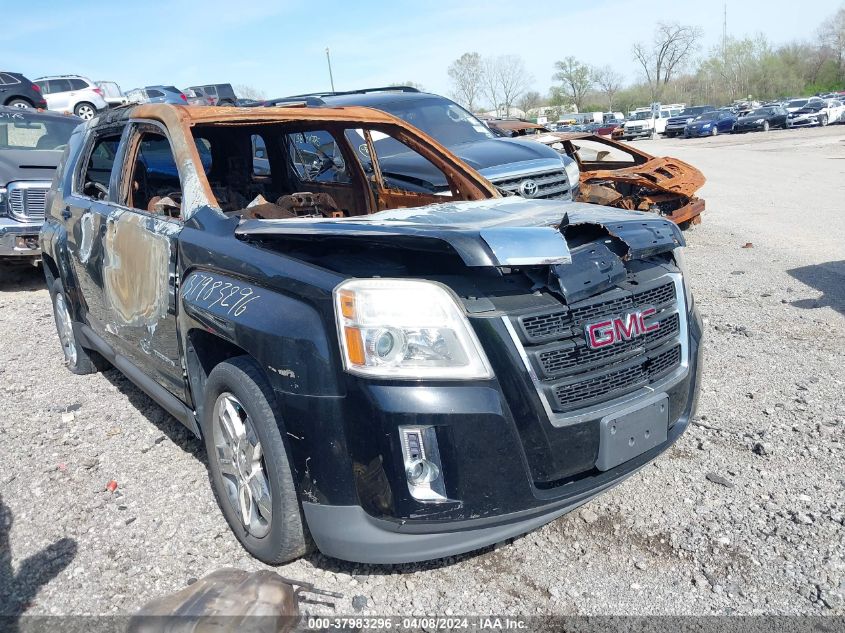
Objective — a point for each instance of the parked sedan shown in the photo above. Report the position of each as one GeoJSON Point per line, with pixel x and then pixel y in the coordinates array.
{"type": "Point", "coordinates": [157, 94]}
{"type": "Point", "coordinates": [710, 123]}
{"type": "Point", "coordinates": [814, 113]}
{"type": "Point", "coordinates": [761, 119]}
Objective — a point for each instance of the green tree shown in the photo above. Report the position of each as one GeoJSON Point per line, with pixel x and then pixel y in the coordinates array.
{"type": "Point", "coordinates": [576, 79]}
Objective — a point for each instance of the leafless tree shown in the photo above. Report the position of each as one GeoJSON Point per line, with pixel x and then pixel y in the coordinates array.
{"type": "Point", "coordinates": [467, 75]}
{"type": "Point", "coordinates": [672, 46]}
{"type": "Point", "coordinates": [249, 92]}
{"type": "Point", "coordinates": [576, 77]}
{"type": "Point", "coordinates": [832, 35]}
{"type": "Point", "coordinates": [609, 83]}
{"type": "Point", "coordinates": [490, 84]}
{"type": "Point", "coordinates": [512, 79]}
{"type": "Point", "coordinates": [529, 101]}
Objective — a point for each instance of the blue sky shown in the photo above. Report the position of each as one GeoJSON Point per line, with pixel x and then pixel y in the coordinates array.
{"type": "Point", "coordinates": [279, 46]}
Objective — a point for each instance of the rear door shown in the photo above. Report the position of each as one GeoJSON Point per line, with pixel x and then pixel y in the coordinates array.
{"type": "Point", "coordinates": [59, 97]}
{"type": "Point", "coordinates": [139, 244]}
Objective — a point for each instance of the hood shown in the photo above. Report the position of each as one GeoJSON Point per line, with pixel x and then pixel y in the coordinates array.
{"type": "Point", "coordinates": [483, 156]}
{"type": "Point", "coordinates": [810, 109]}
{"type": "Point", "coordinates": [28, 164]}
{"type": "Point", "coordinates": [502, 232]}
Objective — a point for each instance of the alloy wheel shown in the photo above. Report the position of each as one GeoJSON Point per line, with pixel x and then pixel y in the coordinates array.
{"type": "Point", "coordinates": [85, 112]}
{"type": "Point", "coordinates": [242, 465]}
{"type": "Point", "coordinates": [65, 328]}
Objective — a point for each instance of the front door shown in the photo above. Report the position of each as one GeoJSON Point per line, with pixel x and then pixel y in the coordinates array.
{"type": "Point", "coordinates": [86, 210]}
{"type": "Point", "coordinates": [139, 244]}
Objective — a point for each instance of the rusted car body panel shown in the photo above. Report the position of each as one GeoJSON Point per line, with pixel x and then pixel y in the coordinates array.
{"type": "Point", "coordinates": [622, 176]}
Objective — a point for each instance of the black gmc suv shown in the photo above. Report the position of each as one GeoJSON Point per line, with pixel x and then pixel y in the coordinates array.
{"type": "Point", "coordinates": [387, 373]}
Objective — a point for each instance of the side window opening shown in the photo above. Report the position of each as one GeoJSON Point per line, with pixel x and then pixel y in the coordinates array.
{"type": "Point", "coordinates": [403, 169]}
{"type": "Point", "coordinates": [94, 181]}
{"type": "Point", "coordinates": [316, 157]}
{"type": "Point", "coordinates": [155, 187]}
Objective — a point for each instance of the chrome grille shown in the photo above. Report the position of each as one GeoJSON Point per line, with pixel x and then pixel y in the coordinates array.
{"type": "Point", "coordinates": [27, 200]}
{"type": "Point", "coordinates": [571, 376]}
{"type": "Point", "coordinates": [550, 184]}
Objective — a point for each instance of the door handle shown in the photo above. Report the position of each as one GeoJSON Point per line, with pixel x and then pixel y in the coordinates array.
{"type": "Point", "coordinates": [66, 213]}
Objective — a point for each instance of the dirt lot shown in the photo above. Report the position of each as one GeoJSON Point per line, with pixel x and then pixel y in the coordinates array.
{"type": "Point", "coordinates": [744, 515]}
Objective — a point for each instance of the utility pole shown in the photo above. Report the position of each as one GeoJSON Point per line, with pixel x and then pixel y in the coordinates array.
{"type": "Point", "coordinates": [329, 60]}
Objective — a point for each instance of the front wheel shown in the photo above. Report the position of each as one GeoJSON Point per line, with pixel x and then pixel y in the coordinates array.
{"type": "Point", "coordinates": [823, 120]}
{"type": "Point", "coordinates": [765, 126]}
{"type": "Point", "coordinates": [714, 131]}
{"type": "Point", "coordinates": [85, 111]}
{"type": "Point", "coordinates": [248, 463]}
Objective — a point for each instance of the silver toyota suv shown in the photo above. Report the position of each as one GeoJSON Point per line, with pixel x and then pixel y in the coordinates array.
{"type": "Point", "coordinates": [72, 93]}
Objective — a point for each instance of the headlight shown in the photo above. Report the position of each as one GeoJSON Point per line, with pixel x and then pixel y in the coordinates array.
{"type": "Point", "coordinates": [406, 329]}
{"type": "Point", "coordinates": [759, 120]}
{"type": "Point", "coordinates": [705, 126]}
{"type": "Point", "coordinates": [681, 263]}
{"type": "Point", "coordinates": [573, 173]}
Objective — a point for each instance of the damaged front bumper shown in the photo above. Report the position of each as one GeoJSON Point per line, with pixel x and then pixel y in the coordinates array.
{"type": "Point", "coordinates": [493, 497]}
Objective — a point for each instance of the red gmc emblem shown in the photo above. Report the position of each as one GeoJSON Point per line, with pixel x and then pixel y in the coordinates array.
{"type": "Point", "coordinates": [617, 329]}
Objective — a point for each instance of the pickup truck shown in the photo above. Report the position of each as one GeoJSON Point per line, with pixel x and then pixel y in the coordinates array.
{"type": "Point", "coordinates": [385, 373]}
{"type": "Point", "coordinates": [31, 146]}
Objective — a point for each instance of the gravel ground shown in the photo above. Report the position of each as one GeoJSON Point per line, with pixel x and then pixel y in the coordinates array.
{"type": "Point", "coordinates": [743, 515]}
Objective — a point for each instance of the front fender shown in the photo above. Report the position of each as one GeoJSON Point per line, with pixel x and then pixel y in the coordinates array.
{"type": "Point", "coordinates": [287, 337]}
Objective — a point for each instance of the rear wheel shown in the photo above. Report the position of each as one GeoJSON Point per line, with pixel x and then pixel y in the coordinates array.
{"type": "Point", "coordinates": [78, 359]}
{"type": "Point", "coordinates": [19, 103]}
{"type": "Point", "coordinates": [85, 111]}
{"type": "Point", "coordinates": [248, 463]}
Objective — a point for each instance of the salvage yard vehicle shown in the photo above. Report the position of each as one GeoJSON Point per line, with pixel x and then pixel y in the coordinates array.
{"type": "Point", "coordinates": [710, 124]}
{"type": "Point", "coordinates": [157, 94]}
{"type": "Point", "coordinates": [112, 94]}
{"type": "Point", "coordinates": [642, 122]}
{"type": "Point", "coordinates": [762, 119]}
{"type": "Point", "coordinates": [676, 124]}
{"type": "Point", "coordinates": [220, 94]}
{"type": "Point", "coordinates": [399, 374]}
{"type": "Point", "coordinates": [513, 165]}
{"type": "Point", "coordinates": [819, 112]}
{"type": "Point", "coordinates": [31, 145]}
{"type": "Point", "coordinates": [17, 91]}
{"type": "Point", "coordinates": [618, 175]}
{"type": "Point", "coordinates": [72, 93]}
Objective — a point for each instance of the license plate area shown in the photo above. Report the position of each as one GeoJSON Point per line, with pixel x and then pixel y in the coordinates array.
{"type": "Point", "coordinates": [625, 435]}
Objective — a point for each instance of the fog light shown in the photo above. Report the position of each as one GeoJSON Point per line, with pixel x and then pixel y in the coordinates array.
{"type": "Point", "coordinates": [26, 242]}
{"type": "Point", "coordinates": [421, 457]}
{"type": "Point", "coordinates": [421, 472]}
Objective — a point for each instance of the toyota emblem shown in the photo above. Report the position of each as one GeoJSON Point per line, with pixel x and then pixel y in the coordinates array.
{"type": "Point", "coordinates": [528, 188]}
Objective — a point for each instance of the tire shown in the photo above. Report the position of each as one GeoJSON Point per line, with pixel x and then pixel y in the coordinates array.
{"type": "Point", "coordinates": [823, 120]}
{"type": "Point", "coordinates": [85, 111]}
{"type": "Point", "coordinates": [240, 414]}
{"type": "Point", "coordinates": [765, 126]}
{"type": "Point", "coordinates": [78, 359]}
{"type": "Point", "coordinates": [19, 103]}
{"type": "Point", "coordinates": [714, 131]}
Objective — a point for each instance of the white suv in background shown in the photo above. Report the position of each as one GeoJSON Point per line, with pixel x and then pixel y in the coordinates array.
{"type": "Point", "coordinates": [72, 93]}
